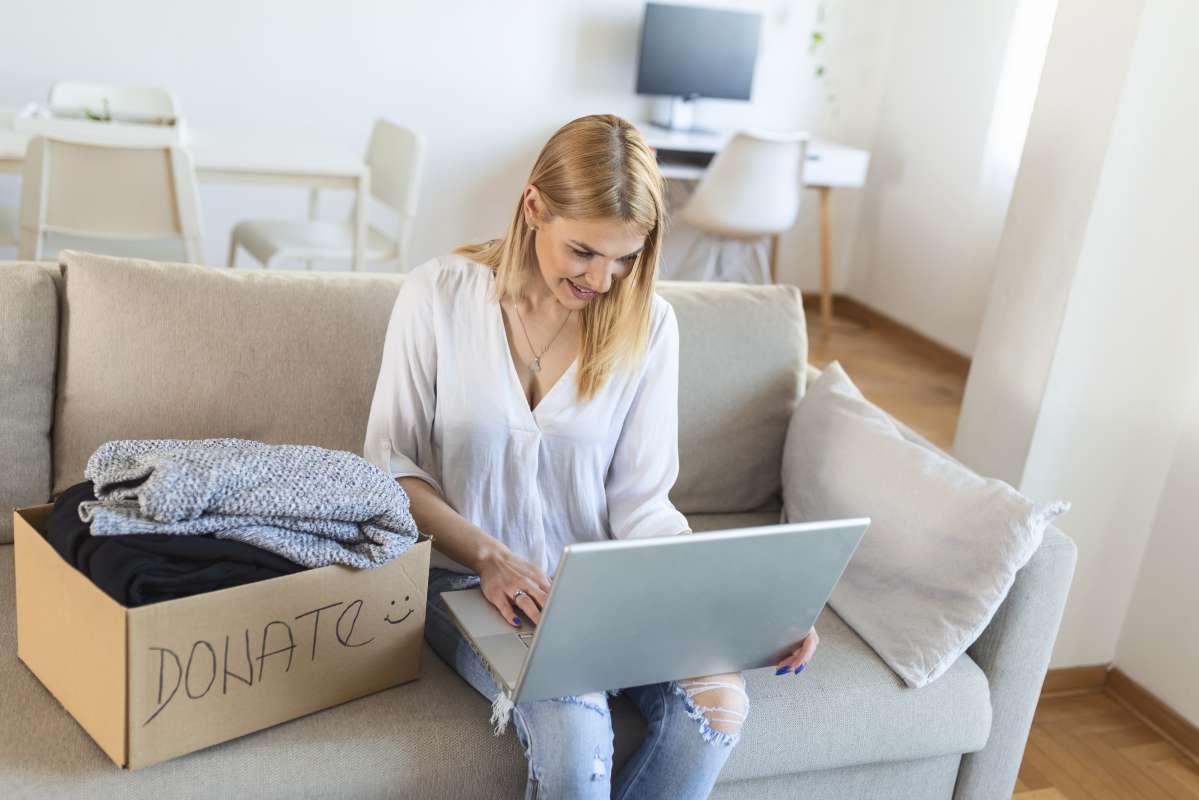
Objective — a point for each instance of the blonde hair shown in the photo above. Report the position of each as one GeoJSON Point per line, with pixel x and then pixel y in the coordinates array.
{"type": "Point", "coordinates": [594, 167]}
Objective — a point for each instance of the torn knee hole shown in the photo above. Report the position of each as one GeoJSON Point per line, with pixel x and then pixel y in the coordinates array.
{"type": "Point", "coordinates": [599, 769]}
{"type": "Point", "coordinates": [595, 701]}
{"type": "Point", "coordinates": [721, 699]}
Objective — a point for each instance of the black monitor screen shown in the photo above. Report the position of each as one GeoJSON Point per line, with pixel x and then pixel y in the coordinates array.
{"type": "Point", "coordinates": [692, 50]}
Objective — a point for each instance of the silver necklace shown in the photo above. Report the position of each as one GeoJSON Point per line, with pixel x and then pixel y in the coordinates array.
{"type": "Point", "coordinates": [536, 365]}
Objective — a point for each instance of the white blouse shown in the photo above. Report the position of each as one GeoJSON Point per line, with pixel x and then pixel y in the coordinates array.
{"type": "Point", "coordinates": [449, 409]}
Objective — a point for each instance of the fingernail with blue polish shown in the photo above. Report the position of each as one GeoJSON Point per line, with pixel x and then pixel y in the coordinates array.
{"type": "Point", "coordinates": [799, 669]}
{"type": "Point", "coordinates": [516, 620]}
{"type": "Point", "coordinates": [781, 670]}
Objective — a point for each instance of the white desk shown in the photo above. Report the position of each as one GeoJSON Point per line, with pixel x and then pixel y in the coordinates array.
{"type": "Point", "coordinates": [258, 162]}
{"type": "Point", "coordinates": [828, 165]}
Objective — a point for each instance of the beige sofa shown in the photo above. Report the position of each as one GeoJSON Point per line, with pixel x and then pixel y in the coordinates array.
{"type": "Point", "coordinates": [95, 349]}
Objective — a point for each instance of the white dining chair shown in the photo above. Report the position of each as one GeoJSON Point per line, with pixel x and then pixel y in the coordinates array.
{"type": "Point", "coordinates": [395, 157]}
{"type": "Point", "coordinates": [124, 103]}
{"type": "Point", "coordinates": [750, 190]}
{"type": "Point", "coordinates": [121, 199]}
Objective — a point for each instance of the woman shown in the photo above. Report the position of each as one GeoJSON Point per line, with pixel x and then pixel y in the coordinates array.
{"type": "Point", "coordinates": [528, 398]}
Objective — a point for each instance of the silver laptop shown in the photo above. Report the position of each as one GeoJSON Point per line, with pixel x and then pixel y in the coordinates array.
{"type": "Point", "coordinates": [628, 612]}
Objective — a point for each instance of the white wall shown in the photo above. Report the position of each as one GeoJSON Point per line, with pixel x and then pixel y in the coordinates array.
{"type": "Point", "coordinates": [1159, 646]}
{"type": "Point", "coordinates": [1153, 242]}
{"type": "Point", "coordinates": [486, 82]}
{"type": "Point", "coordinates": [936, 89]}
{"type": "Point", "coordinates": [845, 107]}
{"type": "Point", "coordinates": [1037, 258]}
{"type": "Point", "coordinates": [1082, 384]}
{"type": "Point", "coordinates": [956, 105]}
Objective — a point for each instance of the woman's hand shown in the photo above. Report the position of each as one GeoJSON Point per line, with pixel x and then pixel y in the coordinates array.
{"type": "Point", "coordinates": [502, 574]}
{"type": "Point", "coordinates": [799, 657]}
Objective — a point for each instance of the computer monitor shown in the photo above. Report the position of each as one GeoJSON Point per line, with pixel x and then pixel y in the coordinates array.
{"type": "Point", "coordinates": [689, 52]}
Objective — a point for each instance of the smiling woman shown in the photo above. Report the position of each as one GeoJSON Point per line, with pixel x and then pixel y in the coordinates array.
{"type": "Point", "coordinates": [591, 216]}
{"type": "Point", "coordinates": [582, 271]}
{"type": "Point", "coordinates": [528, 399]}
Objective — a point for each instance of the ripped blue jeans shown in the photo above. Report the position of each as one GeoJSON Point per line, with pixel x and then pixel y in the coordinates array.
{"type": "Point", "coordinates": [567, 741]}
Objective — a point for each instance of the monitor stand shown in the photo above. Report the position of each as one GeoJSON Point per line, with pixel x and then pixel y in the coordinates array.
{"type": "Point", "coordinates": [680, 116]}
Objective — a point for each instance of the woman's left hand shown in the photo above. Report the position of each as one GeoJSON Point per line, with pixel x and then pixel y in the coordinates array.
{"type": "Point", "coordinates": [799, 657]}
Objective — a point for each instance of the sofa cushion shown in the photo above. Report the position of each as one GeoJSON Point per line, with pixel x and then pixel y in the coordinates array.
{"type": "Point", "coordinates": [742, 350]}
{"type": "Point", "coordinates": [28, 346]}
{"type": "Point", "coordinates": [431, 737]}
{"type": "Point", "coordinates": [160, 350]}
{"type": "Point", "coordinates": [767, 515]}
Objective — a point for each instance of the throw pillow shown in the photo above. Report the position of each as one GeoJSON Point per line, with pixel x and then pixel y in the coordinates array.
{"type": "Point", "coordinates": [943, 545]}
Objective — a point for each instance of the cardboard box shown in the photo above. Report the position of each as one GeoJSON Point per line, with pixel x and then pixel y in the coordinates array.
{"type": "Point", "coordinates": [160, 680]}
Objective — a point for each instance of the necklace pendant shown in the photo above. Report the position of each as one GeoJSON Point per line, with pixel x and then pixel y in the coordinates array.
{"type": "Point", "coordinates": [536, 365]}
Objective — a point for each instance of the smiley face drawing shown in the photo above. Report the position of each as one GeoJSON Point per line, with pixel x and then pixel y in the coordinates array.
{"type": "Point", "coordinates": [387, 616]}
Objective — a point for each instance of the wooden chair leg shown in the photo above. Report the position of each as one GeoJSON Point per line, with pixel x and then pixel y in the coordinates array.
{"type": "Point", "coordinates": [774, 258]}
{"type": "Point", "coordinates": [826, 258]}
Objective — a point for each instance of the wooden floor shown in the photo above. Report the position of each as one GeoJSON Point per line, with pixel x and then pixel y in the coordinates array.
{"type": "Point", "coordinates": [1082, 745]}
{"type": "Point", "coordinates": [1089, 745]}
{"type": "Point", "coordinates": [912, 378]}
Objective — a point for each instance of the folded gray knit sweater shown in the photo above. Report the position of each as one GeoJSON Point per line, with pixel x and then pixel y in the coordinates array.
{"type": "Point", "coordinates": [309, 504]}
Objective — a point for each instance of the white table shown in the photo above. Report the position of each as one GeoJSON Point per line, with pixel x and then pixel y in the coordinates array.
{"type": "Point", "coordinates": [220, 160]}
{"type": "Point", "coordinates": [828, 165]}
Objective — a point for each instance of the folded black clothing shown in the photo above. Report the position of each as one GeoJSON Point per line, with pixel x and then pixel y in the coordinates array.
{"type": "Point", "coordinates": [136, 569]}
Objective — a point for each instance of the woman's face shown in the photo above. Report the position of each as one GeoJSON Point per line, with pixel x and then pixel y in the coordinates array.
{"type": "Point", "coordinates": [580, 259]}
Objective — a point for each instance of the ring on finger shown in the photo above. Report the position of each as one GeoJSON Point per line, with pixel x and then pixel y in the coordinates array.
{"type": "Point", "coordinates": [518, 593]}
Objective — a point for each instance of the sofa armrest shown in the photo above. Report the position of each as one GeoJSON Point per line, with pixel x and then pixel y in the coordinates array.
{"type": "Point", "coordinates": [1014, 653]}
